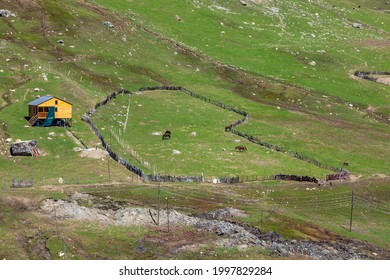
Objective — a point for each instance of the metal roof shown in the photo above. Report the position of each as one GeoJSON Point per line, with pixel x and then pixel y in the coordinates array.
{"type": "Point", "coordinates": [40, 100]}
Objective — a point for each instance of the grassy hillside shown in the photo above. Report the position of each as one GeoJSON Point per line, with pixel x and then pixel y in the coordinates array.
{"type": "Point", "coordinates": [279, 40]}
{"type": "Point", "coordinates": [288, 64]}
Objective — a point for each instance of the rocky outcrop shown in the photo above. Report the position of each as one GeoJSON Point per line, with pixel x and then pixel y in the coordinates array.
{"type": "Point", "coordinates": [229, 232]}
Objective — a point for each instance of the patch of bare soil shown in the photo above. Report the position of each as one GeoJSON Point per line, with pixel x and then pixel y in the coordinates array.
{"type": "Point", "coordinates": [377, 44]}
{"type": "Point", "coordinates": [381, 176]}
{"type": "Point", "coordinates": [36, 245]}
{"type": "Point", "coordinates": [94, 153]}
{"type": "Point", "coordinates": [384, 80]}
{"type": "Point", "coordinates": [18, 203]}
{"type": "Point", "coordinates": [176, 239]}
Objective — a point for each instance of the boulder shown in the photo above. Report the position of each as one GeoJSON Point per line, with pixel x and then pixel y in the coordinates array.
{"type": "Point", "coordinates": [6, 13]}
{"type": "Point", "coordinates": [108, 24]}
{"type": "Point", "coordinates": [24, 148]}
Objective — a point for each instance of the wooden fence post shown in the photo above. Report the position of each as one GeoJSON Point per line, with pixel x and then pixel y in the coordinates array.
{"type": "Point", "coordinates": [352, 202]}
{"type": "Point", "coordinates": [167, 213]}
{"type": "Point", "coordinates": [158, 201]}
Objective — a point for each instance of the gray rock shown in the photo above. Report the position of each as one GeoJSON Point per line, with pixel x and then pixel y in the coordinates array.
{"type": "Point", "coordinates": [357, 25]}
{"type": "Point", "coordinates": [6, 13]}
{"type": "Point", "coordinates": [108, 24]}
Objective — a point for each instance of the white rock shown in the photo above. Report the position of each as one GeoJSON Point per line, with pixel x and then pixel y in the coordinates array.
{"type": "Point", "coordinates": [312, 63]}
{"type": "Point", "coordinates": [357, 25]}
{"type": "Point", "coordinates": [176, 152]}
{"type": "Point", "coordinates": [60, 180]}
{"type": "Point", "coordinates": [193, 133]}
{"type": "Point", "coordinates": [77, 149]}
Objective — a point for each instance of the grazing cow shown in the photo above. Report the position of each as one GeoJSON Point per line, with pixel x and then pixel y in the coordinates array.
{"type": "Point", "coordinates": [167, 135]}
{"type": "Point", "coordinates": [229, 128]}
{"type": "Point", "coordinates": [240, 148]}
{"type": "Point", "coordinates": [345, 164]}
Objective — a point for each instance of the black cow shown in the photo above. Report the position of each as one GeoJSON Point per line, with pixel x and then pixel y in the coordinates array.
{"type": "Point", "coordinates": [167, 135]}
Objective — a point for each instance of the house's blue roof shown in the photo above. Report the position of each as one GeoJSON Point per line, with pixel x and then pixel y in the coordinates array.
{"type": "Point", "coordinates": [40, 100]}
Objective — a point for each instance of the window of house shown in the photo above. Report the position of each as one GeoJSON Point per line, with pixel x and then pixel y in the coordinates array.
{"type": "Point", "coordinates": [56, 102]}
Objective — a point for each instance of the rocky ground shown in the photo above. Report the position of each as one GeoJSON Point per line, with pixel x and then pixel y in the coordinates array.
{"type": "Point", "coordinates": [221, 222]}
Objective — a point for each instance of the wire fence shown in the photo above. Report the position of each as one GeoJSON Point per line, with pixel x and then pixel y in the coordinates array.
{"type": "Point", "coordinates": [10, 183]}
{"type": "Point", "coordinates": [332, 201]}
{"type": "Point", "coordinates": [107, 179]}
{"type": "Point", "coordinates": [126, 147]}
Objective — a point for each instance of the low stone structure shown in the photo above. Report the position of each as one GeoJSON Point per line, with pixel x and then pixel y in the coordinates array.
{"type": "Point", "coordinates": [24, 148]}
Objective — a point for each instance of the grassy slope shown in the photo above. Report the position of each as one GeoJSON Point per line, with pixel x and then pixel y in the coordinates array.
{"type": "Point", "coordinates": [279, 39]}
{"type": "Point", "coordinates": [105, 59]}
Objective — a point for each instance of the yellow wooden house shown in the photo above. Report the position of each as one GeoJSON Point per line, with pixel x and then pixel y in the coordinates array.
{"type": "Point", "coordinates": [49, 110]}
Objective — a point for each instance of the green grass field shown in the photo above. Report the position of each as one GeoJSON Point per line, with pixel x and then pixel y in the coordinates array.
{"type": "Point", "coordinates": [197, 133]}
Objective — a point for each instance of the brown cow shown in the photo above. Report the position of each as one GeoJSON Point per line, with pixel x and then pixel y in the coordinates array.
{"type": "Point", "coordinates": [240, 148]}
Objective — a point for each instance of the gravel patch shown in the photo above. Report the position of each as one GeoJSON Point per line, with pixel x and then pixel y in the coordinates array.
{"type": "Point", "coordinates": [231, 234]}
